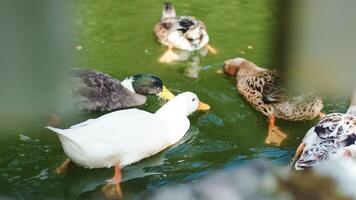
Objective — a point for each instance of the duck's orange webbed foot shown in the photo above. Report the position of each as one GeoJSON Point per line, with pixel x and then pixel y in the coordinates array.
{"type": "Point", "coordinates": [275, 136]}
{"type": "Point", "coordinates": [322, 115]}
{"type": "Point", "coordinates": [112, 189]}
{"type": "Point", "coordinates": [169, 56]}
{"type": "Point", "coordinates": [211, 49]}
{"type": "Point", "coordinates": [63, 166]}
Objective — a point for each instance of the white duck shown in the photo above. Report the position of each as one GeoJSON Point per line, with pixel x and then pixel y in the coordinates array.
{"type": "Point", "coordinates": [333, 138]}
{"type": "Point", "coordinates": [124, 137]}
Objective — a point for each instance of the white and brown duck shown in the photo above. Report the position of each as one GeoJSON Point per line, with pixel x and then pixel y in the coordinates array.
{"type": "Point", "coordinates": [181, 32]}
{"type": "Point", "coordinates": [334, 137]}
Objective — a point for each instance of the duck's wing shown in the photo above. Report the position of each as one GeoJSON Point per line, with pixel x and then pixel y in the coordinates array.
{"type": "Point", "coordinates": [273, 90]}
{"type": "Point", "coordinates": [340, 127]}
{"type": "Point", "coordinates": [164, 28]}
{"type": "Point", "coordinates": [333, 133]}
{"type": "Point", "coordinates": [181, 24]}
{"type": "Point", "coordinates": [186, 23]}
{"type": "Point", "coordinates": [96, 91]}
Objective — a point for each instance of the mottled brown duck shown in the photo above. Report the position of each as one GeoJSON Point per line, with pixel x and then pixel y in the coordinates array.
{"type": "Point", "coordinates": [263, 89]}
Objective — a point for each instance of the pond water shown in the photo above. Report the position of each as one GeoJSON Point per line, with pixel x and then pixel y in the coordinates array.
{"type": "Point", "coordinates": [116, 37]}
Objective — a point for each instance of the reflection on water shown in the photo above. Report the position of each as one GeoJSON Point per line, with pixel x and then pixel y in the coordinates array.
{"type": "Point", "coordinates": [194, 66]}
{"type": "Point", "coordinates": [192, 60]}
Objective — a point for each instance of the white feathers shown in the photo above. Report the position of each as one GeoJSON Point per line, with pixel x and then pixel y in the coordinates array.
{"type": "Point", "coordinates": [127, 83]}
{"type": "Point", "coordinates": [180, 41]}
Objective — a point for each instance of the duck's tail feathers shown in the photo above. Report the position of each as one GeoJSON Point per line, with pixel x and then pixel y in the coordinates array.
{"type": "Point", "coordinates": [168, 11]}
{"type": "Point", "coordinates": [56, 130]}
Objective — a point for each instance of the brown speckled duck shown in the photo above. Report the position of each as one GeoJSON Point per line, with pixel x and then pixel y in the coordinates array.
{"type": "Point", "coordinates": [263, 90]}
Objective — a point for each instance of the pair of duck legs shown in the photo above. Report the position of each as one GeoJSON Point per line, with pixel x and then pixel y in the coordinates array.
{"type": "Point", "coordinates": [275, 136]}
{"type": "Point", "coordinates": [112, 189]}
{"type": "Point", "coordinates": [170, 56]}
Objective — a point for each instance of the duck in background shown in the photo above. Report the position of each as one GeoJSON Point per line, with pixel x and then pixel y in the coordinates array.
{"type": "Point", "coordinates": [97, 91]}
{"type": "Point", "coordinates": [123, 137]}
{"type": "Point", "coordinates": [181, 32]}
{"type": "Point", "coordinates": [263, 89]}
{"type": "Point", "coordinates": [334, 137]}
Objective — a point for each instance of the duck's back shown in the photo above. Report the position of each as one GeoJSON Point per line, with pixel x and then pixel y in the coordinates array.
{"type": "Point", "coordinates": [251, 88]}
{"type": "Point", "coordinates": [180, 31]}
{"type": "Point", "coordinates": [265, 92]}
{"type": "Point", "coordinates": [126, 136]}
{"type": "Point", "coordinates": [304, 106]}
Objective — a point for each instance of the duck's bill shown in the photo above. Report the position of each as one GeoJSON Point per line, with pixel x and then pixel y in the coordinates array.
{"type": "Point", "coordinates": [166, 94]}
{"type": "Point", "coordinates": [203, 106]}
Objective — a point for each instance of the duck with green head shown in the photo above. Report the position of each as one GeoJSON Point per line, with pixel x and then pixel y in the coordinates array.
{"type": "Point", "coordinates": [97, 91]}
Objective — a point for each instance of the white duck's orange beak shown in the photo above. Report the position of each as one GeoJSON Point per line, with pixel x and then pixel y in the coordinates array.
{"type": "Point", "coordinates": [166, 94]}
{"type": "Point", "coordinates": [203, 106]}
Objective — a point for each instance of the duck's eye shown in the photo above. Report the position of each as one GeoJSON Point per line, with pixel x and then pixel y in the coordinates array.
{"type": "Point", "coordinates": [190, 39]}
{"type": "Point", "coordinates": [193, 99]}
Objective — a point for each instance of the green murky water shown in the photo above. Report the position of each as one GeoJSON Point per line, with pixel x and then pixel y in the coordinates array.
{"type": "Point", "coordinates": [116, 37]}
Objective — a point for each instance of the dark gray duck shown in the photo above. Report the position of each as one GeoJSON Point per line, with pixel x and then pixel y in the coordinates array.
{"type": "Point", "coordinates": [97, 91]}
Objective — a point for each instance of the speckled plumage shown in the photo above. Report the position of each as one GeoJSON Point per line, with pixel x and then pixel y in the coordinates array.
{"type": "Point", "coordinates": [96, 91]}
{"type": "Point", "coordinates": [182, 32]}
{"type": "Point", "coordinates": [263, 89]}
{"type": "Point", "coordinates": [333, 134]}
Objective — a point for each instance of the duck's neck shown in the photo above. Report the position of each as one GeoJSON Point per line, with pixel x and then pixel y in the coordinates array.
{"type": "Point", "coordinates": [352, 108]}
{"type": "Point", "coordinates": [171, 109]}
{"type": "Point", "coordinates": [127, 83]}
{"type": "Point", "coordinates": [175, 120]}
{"type": "Point", "coordinates": [168, 11]}
{"type": "Point", "coordinates": [248, 68]}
